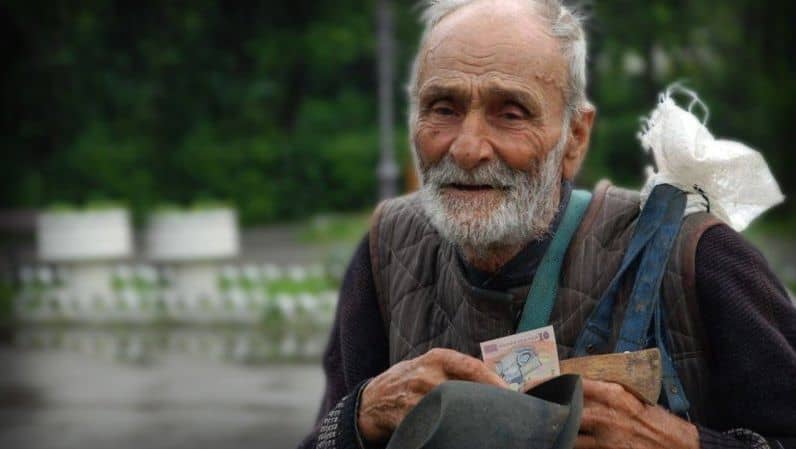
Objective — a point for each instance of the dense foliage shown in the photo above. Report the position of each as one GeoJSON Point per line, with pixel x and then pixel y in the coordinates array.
{"type": "Point", "coordinates": [272, 105]}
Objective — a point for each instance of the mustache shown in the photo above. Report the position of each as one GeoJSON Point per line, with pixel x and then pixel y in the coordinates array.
{"type": "Point", "coordinates": [495, 174]}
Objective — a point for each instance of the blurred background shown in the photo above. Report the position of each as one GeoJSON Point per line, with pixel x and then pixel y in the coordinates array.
{"type": "Point", "coordinates": [184, 182]}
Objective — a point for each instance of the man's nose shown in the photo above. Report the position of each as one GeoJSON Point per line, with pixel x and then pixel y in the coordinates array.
{"type": "Point", "coordinates": [471, 147]}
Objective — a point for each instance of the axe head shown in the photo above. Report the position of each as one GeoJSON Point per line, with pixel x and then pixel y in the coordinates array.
{"type": "Point", "coordinates": [639, 372]}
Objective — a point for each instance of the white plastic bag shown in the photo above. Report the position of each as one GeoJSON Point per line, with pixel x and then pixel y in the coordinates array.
{"type": "Point", "coordinates": [726, 178]}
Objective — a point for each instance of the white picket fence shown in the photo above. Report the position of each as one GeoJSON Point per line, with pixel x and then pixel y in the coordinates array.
{"type": "Point", "coordinates": [144, 344]}
{"type": "Point", "coordinates": [250, 293]}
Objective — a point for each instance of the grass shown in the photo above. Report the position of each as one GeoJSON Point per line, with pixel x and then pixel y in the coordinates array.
{"type": "Point", "coordinates": [335, 228]}
{"type": "Point", "coordinates": [89, 206]}
{"type": "Point", "coordinates": [291, 287]}
{"type": "Point", "coordinates": [209, 204]}
{"type": "Point", "coordinates": [196, 206]}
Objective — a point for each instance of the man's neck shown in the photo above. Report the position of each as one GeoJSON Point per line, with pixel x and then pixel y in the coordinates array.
{"type": "Point", "coordinates": [490, 260]}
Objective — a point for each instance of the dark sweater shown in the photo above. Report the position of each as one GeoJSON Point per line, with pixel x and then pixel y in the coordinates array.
{"type": "Point", "coordinates": [749, 320]}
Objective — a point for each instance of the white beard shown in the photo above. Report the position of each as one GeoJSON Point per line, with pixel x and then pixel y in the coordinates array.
{"type": "Point", "coordinates": [528, 205]}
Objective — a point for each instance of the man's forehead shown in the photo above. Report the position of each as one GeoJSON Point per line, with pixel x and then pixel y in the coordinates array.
{"type": "Point", "coordinates": [493, 37]}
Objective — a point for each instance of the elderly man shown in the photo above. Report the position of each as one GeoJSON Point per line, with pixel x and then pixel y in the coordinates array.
{"type": "Point", "coordinates": [500, 125]}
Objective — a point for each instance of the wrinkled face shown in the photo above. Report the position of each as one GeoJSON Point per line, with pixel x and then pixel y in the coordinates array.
{"type": "Point", "coordinates": [490, 124]}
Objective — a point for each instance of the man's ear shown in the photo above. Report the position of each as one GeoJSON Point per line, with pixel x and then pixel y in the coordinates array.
{"type": "Point", "coordinates": [578, 142]}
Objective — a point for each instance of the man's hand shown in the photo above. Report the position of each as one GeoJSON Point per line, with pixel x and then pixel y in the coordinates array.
{"type": "Point", "coordinates": [389, 397]}
{"type": "Point", "coordinates": [615, 418]}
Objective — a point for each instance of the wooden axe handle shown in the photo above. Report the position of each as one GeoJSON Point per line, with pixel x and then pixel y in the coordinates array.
{"type": "Point", "coordinates": [639, 372]}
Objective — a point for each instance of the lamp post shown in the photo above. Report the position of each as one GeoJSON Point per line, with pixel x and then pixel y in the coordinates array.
{"type": "Point", "coordinates": [388, 168]}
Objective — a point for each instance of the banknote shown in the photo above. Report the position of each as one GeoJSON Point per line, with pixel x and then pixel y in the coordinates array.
{"type": "Point", "coordinates": [522, 358]}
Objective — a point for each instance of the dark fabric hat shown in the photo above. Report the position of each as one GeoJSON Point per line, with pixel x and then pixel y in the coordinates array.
{"type": "Point", "coordinates": [467, 415]}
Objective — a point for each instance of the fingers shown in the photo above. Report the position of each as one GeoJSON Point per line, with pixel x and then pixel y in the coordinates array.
{"type": "Point", "coordinates": [464, 367]}
{"type": "Point", "coordinates": [586, 442]}
{"type": "Point", "coordinates": [599, 390]}
{"type": "Point", "coordinates": [612, 395]}
{"type": "Point", "coordinates": [533, 383]}
{"type": "Point", "coordinates": [424, 382]}
{"type": "Point", "coordinates": [391, 395]}
{"type": "Point", "coordinates": [611, 417]}
{"type": "Point", "coordinates": [593, 417]}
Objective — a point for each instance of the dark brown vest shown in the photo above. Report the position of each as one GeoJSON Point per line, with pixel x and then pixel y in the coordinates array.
{"type": "Point", "coordinates": [426, 301]}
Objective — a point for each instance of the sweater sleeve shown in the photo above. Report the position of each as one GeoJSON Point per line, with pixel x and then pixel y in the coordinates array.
{"type": "Point", "coordinates": [750, 323]}
{"type": "Point", "coordinates": [357, 351]}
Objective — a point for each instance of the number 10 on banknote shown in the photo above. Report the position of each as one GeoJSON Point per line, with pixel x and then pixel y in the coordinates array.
{"type": "Point", "coordinates": [522, 358]}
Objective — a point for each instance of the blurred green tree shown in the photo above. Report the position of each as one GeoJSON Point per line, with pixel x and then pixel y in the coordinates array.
{"type": "Point", "coordinates": [733, 53]}
{"type": "Point", "coordinates": [272, 105]}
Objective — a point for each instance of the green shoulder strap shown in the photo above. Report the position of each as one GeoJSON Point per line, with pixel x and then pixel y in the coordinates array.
{"type": "Point", "coordinates": [542, 295]}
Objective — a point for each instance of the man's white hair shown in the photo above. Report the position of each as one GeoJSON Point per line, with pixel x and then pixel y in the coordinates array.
{"type": "Point", "coordinates": [565, 25]}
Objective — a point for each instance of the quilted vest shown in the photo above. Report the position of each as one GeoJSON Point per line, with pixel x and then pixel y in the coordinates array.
{"type": "Point", "coordinates": [427, 302]}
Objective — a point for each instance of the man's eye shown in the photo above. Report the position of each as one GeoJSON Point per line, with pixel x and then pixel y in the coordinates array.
{"type": "Point", "coordinates": [512, 116]}
{"type": "Point", "coordinates": [444, 110]}
{"type": "Point", "coordinates": [513, 113]}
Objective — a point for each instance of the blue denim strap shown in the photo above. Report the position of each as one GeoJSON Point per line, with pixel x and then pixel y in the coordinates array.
{"type": "Point", "coordinates": [598, 327]}
{"type": "Point", "coordinates": [673, 390]}
{"type": "Point", "coordinates": [652, 242]}
{"type": "Point", "coordinates": [635, 330]}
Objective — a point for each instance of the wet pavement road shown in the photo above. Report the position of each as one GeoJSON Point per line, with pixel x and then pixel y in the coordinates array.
{"type": "Point", "coordinates": [57, 399]}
